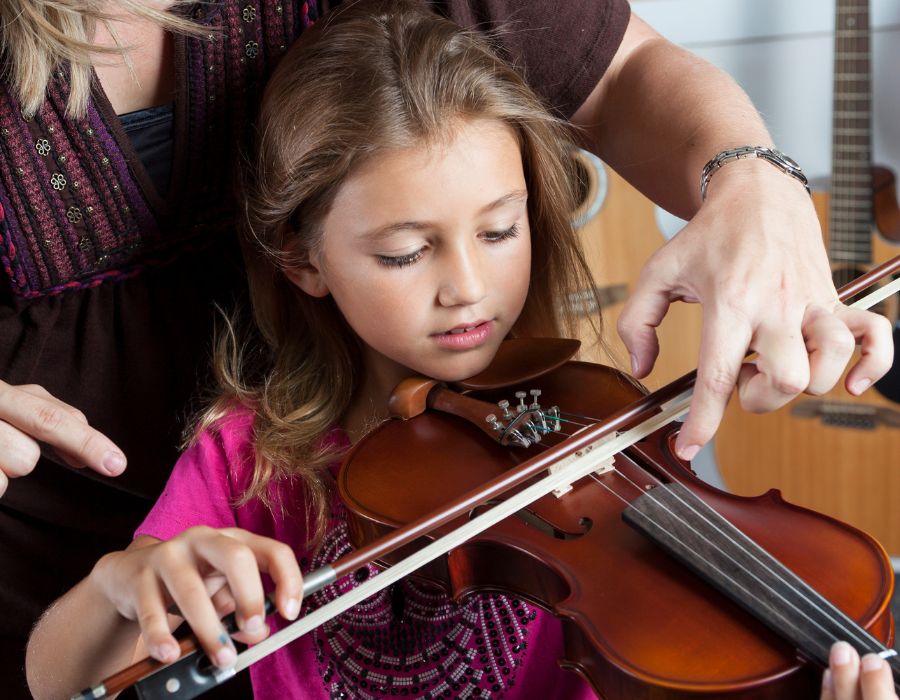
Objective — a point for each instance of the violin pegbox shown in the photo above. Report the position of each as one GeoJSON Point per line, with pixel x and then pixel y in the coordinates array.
{"type": "Point", "coordinates": [526, 424]}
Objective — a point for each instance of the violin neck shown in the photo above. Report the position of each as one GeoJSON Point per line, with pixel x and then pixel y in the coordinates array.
{"type": "Point", "coordinates": [695, 534]}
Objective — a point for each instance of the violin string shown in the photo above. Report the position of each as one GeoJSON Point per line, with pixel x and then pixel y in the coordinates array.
{"type": "Point", "coordinates": [866, 642]}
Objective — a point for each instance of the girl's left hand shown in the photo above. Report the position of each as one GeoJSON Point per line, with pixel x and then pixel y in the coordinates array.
{"type": "Point", "coordinates": [849, 678]}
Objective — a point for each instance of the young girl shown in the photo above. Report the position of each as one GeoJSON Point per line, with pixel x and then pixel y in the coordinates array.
{"type": "Point", "coordinates": [407, 209]}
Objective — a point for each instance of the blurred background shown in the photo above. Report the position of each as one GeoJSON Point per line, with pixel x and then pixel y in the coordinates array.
{"type": "Point", "coordinates": [835, 454]}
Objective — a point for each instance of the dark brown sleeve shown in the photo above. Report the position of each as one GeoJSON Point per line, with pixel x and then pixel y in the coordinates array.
{"type": "Point", "coordinates": [562, 48]}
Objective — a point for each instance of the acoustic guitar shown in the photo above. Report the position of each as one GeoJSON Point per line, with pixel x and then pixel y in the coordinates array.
{"type": "Point", "coordinates": [836, 454]}
{"type": "Point", "coordinates": [619, 232]}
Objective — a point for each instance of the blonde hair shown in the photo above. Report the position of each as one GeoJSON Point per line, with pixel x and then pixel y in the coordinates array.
{"type": "Point", "coordinates": [369, 78]}
{"type": "Point", "coordinates": [39, 37]}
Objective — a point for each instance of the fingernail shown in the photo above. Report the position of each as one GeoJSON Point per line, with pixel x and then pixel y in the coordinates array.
{"type": "Point", "coordinates": [840, 654]}
{"type": "Point", "coordinates": [225, 657]}
{"type": "Point", "coordinates": [634, 364]}
{"type": "Point", "coordinates": [254, 624]}
{"type": "Point", "coordinates": [861, 385]}
{"type": "Point", "coordinates": [689, 452]}
{"type": "Point", "coordinates": [827, 680]}
{"type": "Point", "coordinates": [114, 462]}
{"type": "Point", "coordinates": [872, 662]}
{"type": "Point", "coordinates": [165, 652]}
{"type": "Point", "coordinates": [292, 609]}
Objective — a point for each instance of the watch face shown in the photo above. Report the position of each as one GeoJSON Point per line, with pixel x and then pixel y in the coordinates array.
{"type": "Point", "coordinates": [787, 159]}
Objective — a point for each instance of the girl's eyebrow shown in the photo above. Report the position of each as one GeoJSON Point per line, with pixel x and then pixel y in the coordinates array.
{"type": "Point", "coordinates": [383, 232]}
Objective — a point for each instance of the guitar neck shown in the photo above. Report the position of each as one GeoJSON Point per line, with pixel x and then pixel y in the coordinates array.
{"type": "Point", "coordinates": [850, 214]}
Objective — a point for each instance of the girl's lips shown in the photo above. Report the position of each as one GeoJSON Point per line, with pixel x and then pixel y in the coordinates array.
{"type": "Point", "coordinates": [465, 338]}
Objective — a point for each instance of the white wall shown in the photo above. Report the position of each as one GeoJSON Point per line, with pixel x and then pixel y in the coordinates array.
{"type": "Point", "coordinates": [780, 51]}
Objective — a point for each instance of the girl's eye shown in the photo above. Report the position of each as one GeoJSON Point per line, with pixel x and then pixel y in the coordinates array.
{"type": "Point", "coordinates": [399, 260]}
{"type": "Point", "coordinates": [498, 236]}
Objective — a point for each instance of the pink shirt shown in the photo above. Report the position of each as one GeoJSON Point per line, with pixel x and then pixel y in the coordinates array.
{"type": "Point", "coordinates": [410, 640]}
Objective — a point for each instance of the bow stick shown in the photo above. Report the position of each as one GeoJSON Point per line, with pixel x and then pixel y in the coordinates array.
{"type": "Point", "coordinates": [582, 454]}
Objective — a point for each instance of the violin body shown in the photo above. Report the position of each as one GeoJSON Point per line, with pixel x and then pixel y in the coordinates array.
{"type": "Point", "coordinates": [637, 623]}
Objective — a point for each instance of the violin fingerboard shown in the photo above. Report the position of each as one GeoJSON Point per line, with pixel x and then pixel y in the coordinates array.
{"type": "Point", "coordinates": [695, 534]}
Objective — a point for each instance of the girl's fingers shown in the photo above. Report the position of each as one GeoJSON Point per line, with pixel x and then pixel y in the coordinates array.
{"type": "Point", "coordinates": [843, 662]}
{"type": "Point", "coordinates": [180, 575]}
{"type": "Point", "coordinates": [236, 556]}
{"type": "Point", "coordinates": [151, 614]}
{"type": "Point", "coordinates": [876, 681]}
{"type": "Point", "coordinates": [280, 563]}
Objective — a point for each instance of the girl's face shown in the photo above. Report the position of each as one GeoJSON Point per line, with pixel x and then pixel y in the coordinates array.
{"type": "Point", "coordinates": [427, 253]}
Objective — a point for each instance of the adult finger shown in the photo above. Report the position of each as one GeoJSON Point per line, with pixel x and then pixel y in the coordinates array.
{"type": "Point", "coordinates": [782, 370]}
{"type": "Point", "coordinates": [830, 345]}
{"type": "Point", "coordinates": [723, 345]}
{"type": "Point", "coordinates": [46, 421]}
{"type": "Point", "coordinates": [876, 347]}
{"type": "Point", "coordinates": [642, 313]}
{"type": "Point", "coordinates": [18, 452]}
{"type": "Point", "coordinates": [38, 391]}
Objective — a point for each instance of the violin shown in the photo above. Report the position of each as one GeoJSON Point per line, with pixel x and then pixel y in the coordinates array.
{"type": "Point", "coordinates": [606, 554]}
{"type": "Point", "coordinates": [666, 587]}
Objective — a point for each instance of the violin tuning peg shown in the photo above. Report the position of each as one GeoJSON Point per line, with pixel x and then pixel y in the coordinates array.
{"type": "Point", "coordinates": [522, 406]}
{"type": "Point", "coordinates": [496, 424]}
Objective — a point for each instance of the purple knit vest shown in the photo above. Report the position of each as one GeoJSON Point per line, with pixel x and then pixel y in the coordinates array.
{"type": "Point", "coordinates": [77, 208]}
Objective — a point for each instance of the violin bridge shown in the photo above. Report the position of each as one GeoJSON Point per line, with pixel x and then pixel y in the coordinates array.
{"type": "Point", "coordinates": [602, 466]}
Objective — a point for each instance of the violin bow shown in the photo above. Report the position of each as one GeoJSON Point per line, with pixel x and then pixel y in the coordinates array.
{"type": "Point", "coordinates": [590, 451]}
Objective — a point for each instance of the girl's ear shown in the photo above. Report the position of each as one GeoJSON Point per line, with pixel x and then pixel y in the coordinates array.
{"type": "Point", "coordinates": [309, 279]}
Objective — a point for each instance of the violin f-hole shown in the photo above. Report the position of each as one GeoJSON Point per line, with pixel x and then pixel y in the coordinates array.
{"type": "Point", "coordinates": [534, 520]}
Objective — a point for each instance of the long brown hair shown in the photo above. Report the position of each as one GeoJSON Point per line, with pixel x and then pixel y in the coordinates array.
{"type": "Point", "coordinates": [369, 78]}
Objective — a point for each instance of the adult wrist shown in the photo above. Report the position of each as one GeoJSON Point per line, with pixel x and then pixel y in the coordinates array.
{"type": "Point", "coordinates": [773, 156]}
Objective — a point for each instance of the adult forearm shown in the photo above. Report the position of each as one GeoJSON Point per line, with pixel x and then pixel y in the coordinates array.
{"type": "Point", "coordinates": [663, 114]}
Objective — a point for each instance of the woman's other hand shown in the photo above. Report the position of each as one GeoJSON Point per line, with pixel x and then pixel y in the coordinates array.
{"type": "Point", "coordinates": [30, 415]}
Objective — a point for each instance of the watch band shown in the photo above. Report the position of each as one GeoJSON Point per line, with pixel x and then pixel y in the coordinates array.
{"type": "Point", "coordinates": [784, 163]}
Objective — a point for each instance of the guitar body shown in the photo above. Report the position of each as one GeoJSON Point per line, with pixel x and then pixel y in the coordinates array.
{"type": "Point", "coordinates": [617, 241]}
{"type": "Point", "coordinates": [837, 454]}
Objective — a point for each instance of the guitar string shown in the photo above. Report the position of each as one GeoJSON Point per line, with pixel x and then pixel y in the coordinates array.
{"type": "Point", "coordinates": [849, 48]}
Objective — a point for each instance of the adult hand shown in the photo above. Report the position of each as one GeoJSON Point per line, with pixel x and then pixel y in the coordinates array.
{"type": "Point", "coordinates": [753, 258]}
{"type": "Point", "coordinates": [849, 678]}
{"type": "Point", "coordinates": [29, 415]}
{"type": "Point", "coordinates": [207, 573]}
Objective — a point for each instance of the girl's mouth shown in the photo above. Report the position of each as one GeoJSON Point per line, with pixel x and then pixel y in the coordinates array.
{"type": "Point", "coordinates": [465, 337]}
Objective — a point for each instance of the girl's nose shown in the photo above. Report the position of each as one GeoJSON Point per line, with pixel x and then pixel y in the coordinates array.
{"type": "Point", "coordinates": [462, 279]}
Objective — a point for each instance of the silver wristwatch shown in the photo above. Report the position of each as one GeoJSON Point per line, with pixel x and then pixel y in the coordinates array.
{"type": "Point", "coordinates": [784, 163]}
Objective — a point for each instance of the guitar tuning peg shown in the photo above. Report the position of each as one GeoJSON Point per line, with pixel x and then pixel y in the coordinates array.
{"type": "Point", "coordinates": [535, 395]}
